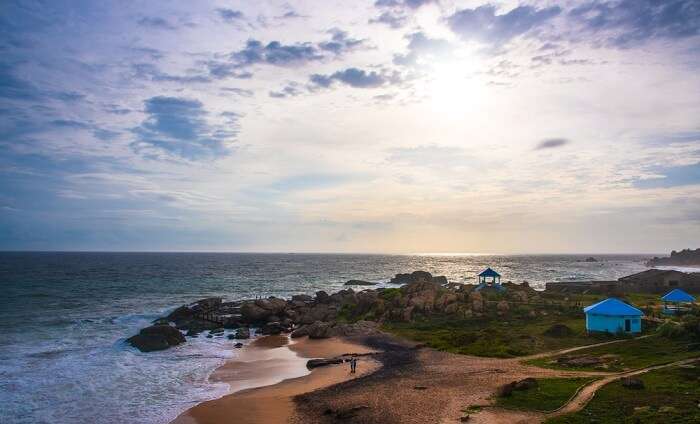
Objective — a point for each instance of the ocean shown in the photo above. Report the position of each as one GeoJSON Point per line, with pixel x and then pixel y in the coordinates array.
{"type": "Point", "coordinates": [64, 318]}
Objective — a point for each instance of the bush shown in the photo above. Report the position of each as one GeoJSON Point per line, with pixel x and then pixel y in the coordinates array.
{"type": "Point", "coordinates": [672, 331]}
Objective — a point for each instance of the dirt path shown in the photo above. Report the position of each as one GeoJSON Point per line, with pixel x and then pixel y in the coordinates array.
{"type": "Point", "coordinates": [574, 349]}
{"type": "Point", "coordinates": [586, 394]}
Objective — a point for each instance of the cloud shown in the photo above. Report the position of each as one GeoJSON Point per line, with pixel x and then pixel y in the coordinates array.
{"type": "Point", "coordinates": [238, 91]}
{"type": "Point", "coordinates": [393, 19]}
{"type": "Point", "coordinates": [483, 24]}
{"type": "Point", "coordinates": [276, 53]}
{"type": "Point", "coordinates": [411, 4]}
{"type": "Point", "coordinates": [340, 42]}
{"type": "Point", "coordinates": [15, 88]}
{"type": "Point", "coordinates": [149, 71]}
{"type": "Point", "coordinates": [292, 89]}
{"type": "Point", "coordinates": [552, 143]}
{"type": "Point", "coordinates": [354, 77]}
{"type": "Point", "coordinates": [178, 126]}
{"type": "Point", "coordinates": [626, 23]}
{"type": "Point", "coordinates": [155, 22]}
{"type": "Point", "coordinates": [420, 45]}
{"type": "Point", "coordinates": [230, 15]}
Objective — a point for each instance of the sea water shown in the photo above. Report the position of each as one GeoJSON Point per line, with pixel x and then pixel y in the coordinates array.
{"type": "Point", "coordinates": [64, 318]}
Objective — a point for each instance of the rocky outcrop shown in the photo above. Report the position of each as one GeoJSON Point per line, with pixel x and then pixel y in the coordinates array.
{"type": "Point", "coordinates": [686, 257]}
{"type": "Point", "coordinates": [156, 337]}
{"type": "Point", "coordinates": [579, 361]}
{"type": "Point", "coordinates": [359, 283]}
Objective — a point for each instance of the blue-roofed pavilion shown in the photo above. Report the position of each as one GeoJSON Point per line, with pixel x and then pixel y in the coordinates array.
{"type": "Point", "coordinates": [676, 300]}
{"type": "Point", "coordinates": [489, 278]}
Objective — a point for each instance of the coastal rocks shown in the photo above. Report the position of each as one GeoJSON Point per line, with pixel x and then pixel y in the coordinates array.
{"type": "Point", "coordinates": [302, 298]}
{"type": "Point", "coordinates": [320, 330]}
{"type": "Point", "coordinates": [359, 283]}
{"type": "Point", "coordinates": [558, 330]}
{"type": "Point", "coordinates": [242, 333]}
{"type": "Point", "coordinates": [322, 297]}
{"type": "Point", "coordinates": [250, 312]}
{"type": "Point", "coordinates": [633, 383]}
{"type": "Point", "coordinates": [686, 257]}
{"type": "Point", "coordinates": [316, 330]}
{"type": "Point", "coordinates": [345, 413]}
{"type": "Point", "coordinates": [180, 314]}
{"type": "Point", "coordinates": [273, 328]}
{"type": "Point", "coordinates": [206, 305]}
{"type": "Point", "coordinates": [156, 337]}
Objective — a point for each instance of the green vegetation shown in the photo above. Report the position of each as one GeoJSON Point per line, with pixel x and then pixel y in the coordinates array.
{"type": "Point", "coordinates": [670, 395]}
{"type": "Point", "coordinates": [630, 354]}
{"type": "Point", "coordinates": [550, 394]}
{"type": "Point", "coordinates": [493, 336]}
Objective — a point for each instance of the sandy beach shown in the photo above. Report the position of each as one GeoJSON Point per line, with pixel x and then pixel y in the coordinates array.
{"type": "Point", "coordinates": [269, 373]}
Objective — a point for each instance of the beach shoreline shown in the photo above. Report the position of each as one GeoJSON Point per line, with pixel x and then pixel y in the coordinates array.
{"type": "Point", "coordinates": [267, 375]}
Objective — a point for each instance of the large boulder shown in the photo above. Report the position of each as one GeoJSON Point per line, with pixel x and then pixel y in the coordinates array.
{"type": "Point", "coordinates": [206, 305]}
{"type": "Point", "coordinates": [302, 298]}
{"type": "Point", "coordinates": [320, 330]}
{"type": "Point", "coordinates": [274, 328]}
{"type": "Point", "coordinates": [322, 297]}
{"type": "Point", "coordinates": [359, 283]}
{"type": "Point", "coordinates": [252, 312]}
{"type": "Point", "coordinates": [242, 333]}
{"type": "Point", "coordinates": [525, 384]}
{"type": "Point", "coordinates": [156, 337]}
{"type": "Point", "coordinates": [179, 314]}
{"type": "Point", "coordinates": [502, 307]}
{"type": "Point", "coordinates": [319, 312]}
{"type": "Point", "coordinates": [632, 383]}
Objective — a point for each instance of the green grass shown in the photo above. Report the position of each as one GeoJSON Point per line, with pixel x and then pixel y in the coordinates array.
{"type": "Point", "coordinates": [631, 354]}
{"type": "Point", "coordinates": [492, 336]}
{"type": "Point", "coordinates": [550, 394]}
{"type": "Point", "coordinates": [670, 396]}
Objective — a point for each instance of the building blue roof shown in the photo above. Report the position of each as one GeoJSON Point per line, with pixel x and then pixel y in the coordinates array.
{"type": "Point", "coordinates": [678, 295]}
{"type": "Point", "coordinates": [613, 307]}
{"type": "Point", "coordinates": [488, 272]}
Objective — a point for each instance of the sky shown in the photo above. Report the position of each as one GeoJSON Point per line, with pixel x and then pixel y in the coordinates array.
{"type": "Point", "coordinates": [392, 126]}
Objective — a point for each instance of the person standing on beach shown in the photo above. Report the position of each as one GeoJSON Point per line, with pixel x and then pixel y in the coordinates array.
{"type": "Point", "coordinates": [353, 365]}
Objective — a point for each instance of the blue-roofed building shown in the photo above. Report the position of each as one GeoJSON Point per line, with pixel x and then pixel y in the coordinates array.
{"type": "Point", "coordinates": [676, 300]}
{"type": "Point", "coordinates": [489, 278]}
{"type": "Point", "coordinates": [613, 316]}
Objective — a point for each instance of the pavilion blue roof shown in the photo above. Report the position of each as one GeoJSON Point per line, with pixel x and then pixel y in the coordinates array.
{"type": "Point", "coordinates": [612, 306]}
{"type": "Point", "coordinates": [678, 295]}
{"type": "Point", "coordinates": [488, 272]}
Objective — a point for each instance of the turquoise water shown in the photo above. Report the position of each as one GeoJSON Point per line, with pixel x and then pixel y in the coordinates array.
{"type": "Point", "coordinates": [64, 318]}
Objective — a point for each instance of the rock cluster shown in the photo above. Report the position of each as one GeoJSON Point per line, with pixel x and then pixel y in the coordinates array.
{"type": "Point", "coordinates": [344, 313]}
{"type": "Point", "coordinates": [156, 337]}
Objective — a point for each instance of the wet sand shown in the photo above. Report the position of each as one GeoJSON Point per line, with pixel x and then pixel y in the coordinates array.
{"type": "Point", "coordinates": [267, 375]}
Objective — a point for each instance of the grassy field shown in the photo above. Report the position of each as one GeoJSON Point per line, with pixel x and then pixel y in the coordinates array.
{"type": "Point", "coordinates": [631, 354]}
{"type": "Point", "coordinates": [670, 396]}
{"type": "Point", "coordinates": [550, 394]}
{"type": "Point", "coordinates": [496, 337]}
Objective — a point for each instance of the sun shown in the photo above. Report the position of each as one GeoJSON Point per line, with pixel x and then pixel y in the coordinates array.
{"type": "Point", "coordinates": [455, 89]}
